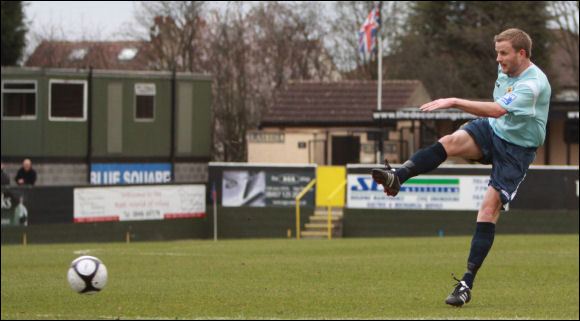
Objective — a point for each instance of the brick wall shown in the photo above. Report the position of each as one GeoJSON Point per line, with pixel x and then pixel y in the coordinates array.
{"type": "Point", "coordinates": [191, 172]}
{"type": "Point", "coordinates": [53, 174]}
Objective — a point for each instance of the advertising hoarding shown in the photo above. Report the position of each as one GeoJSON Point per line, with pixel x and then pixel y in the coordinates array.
{"type": "Point", "coordinates": [427, 192]}
{"type": "Point", "coordinates": [135, 203]}
{"type": "Point", "coordinates": [258, 185]}
{"type": "Point", "coordinates": [113, 174]}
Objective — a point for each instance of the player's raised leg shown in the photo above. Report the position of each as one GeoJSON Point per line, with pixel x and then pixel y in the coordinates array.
{"type": "Point", "coordinates": [460, 143]}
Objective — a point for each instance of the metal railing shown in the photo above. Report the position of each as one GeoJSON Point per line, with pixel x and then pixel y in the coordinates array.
{"type": "Point", "coordinates": [298, 197]}
{"type": "Point", "coordinates": [330, 197]}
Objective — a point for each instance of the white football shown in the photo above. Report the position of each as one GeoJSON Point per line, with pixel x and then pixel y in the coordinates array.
{"type": "Point", "coordinates": [87, 275]}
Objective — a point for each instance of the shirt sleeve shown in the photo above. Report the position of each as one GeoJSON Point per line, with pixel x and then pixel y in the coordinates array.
{"type": "Point", "coordinates": [521, 101]}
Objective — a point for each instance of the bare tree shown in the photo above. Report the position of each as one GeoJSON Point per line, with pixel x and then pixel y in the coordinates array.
{"type": "Point", "coordinates": [292, 36]}
{"type": "Point", "coordinates": [345, 28]}
{"type": "Point", "coordinates": [253, 56]}
{"type": "Point", "coordinates": [174, 29]}
{"type": "Point", "coordinates": [251, 52]}
{"type": "Point", "coordinates": [565, 16]}
{"type": "Point", "coordinates": [232, 91]}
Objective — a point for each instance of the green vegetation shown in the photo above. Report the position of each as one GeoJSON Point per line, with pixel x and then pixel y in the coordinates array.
{"type": "Point", "coordinates": [524, 277]}
{"type": "Point", "coordinates": [13, 32]}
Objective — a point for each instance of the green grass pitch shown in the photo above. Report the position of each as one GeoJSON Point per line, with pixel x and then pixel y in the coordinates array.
{"type": "Point", "coordinates": [524, 277]}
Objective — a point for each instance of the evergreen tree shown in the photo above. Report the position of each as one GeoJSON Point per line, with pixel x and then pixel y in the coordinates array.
{"type": "Point", "coordinates": [449, 46]}
{"type": "Point", "coordinates": [13, 32]}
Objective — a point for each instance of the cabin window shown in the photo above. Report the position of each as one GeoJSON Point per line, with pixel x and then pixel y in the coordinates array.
{"type": "Point", "coordinates": [19, 99]}
{"type": "Point", "coordinates": [68, 100]}
{"type": "Point", "coordinates": [144, 102]}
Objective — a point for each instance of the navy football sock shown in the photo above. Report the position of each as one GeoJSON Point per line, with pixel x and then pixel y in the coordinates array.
{"type": "Point", "coordinates": [423, 161]}
{"type": "Point", "coordinates": [480, 246]}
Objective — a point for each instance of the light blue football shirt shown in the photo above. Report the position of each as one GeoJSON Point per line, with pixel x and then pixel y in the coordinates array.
{"type": "Point", "coordinates": [527, 100]}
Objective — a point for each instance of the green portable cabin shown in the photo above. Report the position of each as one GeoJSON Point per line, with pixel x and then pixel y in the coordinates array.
{"type": "Point", "coordinates": [67, 116]}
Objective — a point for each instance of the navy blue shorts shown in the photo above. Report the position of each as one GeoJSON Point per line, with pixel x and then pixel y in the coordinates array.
{"type": "Point", "coordinates": [509, 161]}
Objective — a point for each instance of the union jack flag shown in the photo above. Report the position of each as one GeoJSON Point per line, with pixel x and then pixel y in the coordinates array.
{"type": "Point", "coordinates": [368, 31]}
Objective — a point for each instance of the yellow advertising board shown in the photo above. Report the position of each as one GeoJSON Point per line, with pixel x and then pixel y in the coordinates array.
{"type": "Point", "coordinates": [328, 180]}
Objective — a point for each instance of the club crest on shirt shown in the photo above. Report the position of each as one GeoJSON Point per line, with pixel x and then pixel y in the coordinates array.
{"type": "Point", "coordinates": [508, 98]}
{"type": "Point", "coordinates": [509, 90]}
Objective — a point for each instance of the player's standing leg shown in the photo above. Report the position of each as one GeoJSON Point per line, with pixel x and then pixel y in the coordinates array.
{"type": "Point", "coordinates": [480, 245]}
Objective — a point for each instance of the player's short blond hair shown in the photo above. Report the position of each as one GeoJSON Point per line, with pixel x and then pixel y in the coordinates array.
{"type": "Point", "coordinates": [518, 38]}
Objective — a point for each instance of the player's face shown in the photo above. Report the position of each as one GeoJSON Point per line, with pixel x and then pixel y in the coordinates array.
{"type": "Point", "coordinates": [509, 59]}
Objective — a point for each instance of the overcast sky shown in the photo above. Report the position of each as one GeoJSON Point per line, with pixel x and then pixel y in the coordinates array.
{"type": "Point", "coordinates": [76, 17]}
{"type": "Point", "coordinates": [73, 20]}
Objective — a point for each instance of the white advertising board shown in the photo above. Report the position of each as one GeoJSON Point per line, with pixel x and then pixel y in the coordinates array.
{"type": "Point", "coordinates": [440, 192]}
{"type": "Point", "coordinates": [135, 203]}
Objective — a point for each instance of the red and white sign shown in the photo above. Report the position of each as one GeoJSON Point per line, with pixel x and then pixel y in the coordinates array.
{"type": "Point", "coordinates": [136, 203]}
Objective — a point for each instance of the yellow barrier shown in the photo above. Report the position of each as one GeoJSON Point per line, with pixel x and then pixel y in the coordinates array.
{"type": "Point", "coordinates": [330, 197]}
{"type": "Point", "coordinates": [328, 177]}
{"type": "Point", "coordinates": [298, 206]}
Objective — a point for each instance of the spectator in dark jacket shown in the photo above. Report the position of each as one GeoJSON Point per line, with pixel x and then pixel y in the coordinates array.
{"type": "Point", "coordinates": [26, 175]}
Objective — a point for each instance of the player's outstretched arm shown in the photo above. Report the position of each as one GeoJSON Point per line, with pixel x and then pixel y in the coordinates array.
{"type": "Point", "coordinates": [477, 108]}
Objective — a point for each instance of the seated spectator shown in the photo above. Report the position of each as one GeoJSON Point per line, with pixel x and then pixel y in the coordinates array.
{"type": "Point", "coordinates": [26, 175]}
{"type": "Point", "coordinates": [5, 177]}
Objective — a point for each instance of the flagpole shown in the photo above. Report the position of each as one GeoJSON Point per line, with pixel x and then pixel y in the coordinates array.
{"type": "Point", "coordinates": [380, 86]}
{"type": "Point", "coordinates": [380, 58]}
{"type": "Point", "coordinates": [379, 71]}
